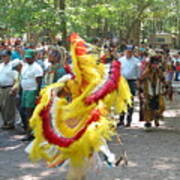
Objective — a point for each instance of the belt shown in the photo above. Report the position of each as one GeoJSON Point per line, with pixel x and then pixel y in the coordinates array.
{"type": "Point", "coordinates": [131, 79]}
{"type": "Point", "coordinates": [4, 87]}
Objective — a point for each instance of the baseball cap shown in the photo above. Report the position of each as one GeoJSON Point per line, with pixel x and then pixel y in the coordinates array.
{"type": "Point", "coordinates": [29, 53]}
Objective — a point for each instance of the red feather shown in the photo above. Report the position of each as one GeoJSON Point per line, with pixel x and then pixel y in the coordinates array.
{"type": "Point", "coordinates": [110, 85]}
{"type": "Point", "coordinates": [56, 139]}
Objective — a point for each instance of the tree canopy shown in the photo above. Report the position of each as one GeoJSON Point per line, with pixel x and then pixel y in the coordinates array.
{"type": "Point", "coordinates": [127, 19]}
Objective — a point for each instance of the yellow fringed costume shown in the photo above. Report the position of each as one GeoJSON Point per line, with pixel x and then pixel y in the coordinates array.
{"type": "Point", "coordinates": [72, 120]}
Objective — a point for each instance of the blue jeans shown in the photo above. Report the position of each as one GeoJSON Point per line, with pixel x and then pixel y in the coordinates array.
{"type": "Point", "coordinates": [177, 76]}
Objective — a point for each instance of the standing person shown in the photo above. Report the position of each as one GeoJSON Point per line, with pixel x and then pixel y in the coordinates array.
{"type": "Point", "coordinates": [40, 59]}
{"type": "Point", "coordinates": [143, 47]}
{"type": "Point", "coordinates": [153, 89]}
{"type": "Point", "coordinates": [8, 89]}
{"type": "Point", "coordinates": [56, 68]}
{"type": "Point", "coordinates": [17, 66]}
{"type": "Point", "coordinates": [142, 55]}
{"type": "Point", "coordinates": [130, 67]}
{"type": "Point", "coordinates": [177, 68]}
{"type": "Point", "coordinates": [31, 76]}
{"type": "Point", "coordinates": [169, 69]}
{"type": "Point", "coordinates": [62, 51]}
{"type": "Point", "coordinates": [17, 52]}
{"type": "Point", "coordinates": [122, 47]}
{"type": "Point", "coordinates": [130, 45]}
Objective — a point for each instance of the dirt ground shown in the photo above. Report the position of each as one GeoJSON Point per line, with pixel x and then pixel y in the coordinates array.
{"type": "Point", "coordinates": [153, 155]}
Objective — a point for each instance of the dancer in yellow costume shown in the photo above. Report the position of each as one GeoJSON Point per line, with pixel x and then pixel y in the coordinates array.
{"type": "Point", "coordinates": [72, 120]}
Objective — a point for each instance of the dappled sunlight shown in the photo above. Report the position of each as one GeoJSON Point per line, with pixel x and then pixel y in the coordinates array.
{"type": "Point", "coordinates": [172, 113]}
{"type": "Point", "coordinates": [132, 164]}
{"type": "Point", "coordinates": [11, 148]}
{"type": "Point", "coordinates": [136, 123]}
{"type": "Point", "coordinates": [166, 163]}
{"type": "Point", "coordinates": [27, 165]}
{"type": "Point", "coordinates": [31, 172]}
{"type": "Point", "coordinates": [162, 166]}
{"type": "Point", "coordinates": [29, 177]}
{"type": "Point", "coordinates": [151, 154]}
{"type": "Point", "coordinates": [48, 172]}
{"type": "Point", "coordinates": [11, 144]}
{"type": "Point", "coordinates": [17, 137]}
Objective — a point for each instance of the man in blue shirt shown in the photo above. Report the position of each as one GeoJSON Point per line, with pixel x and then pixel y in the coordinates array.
{"type": "Point", "coordinates": [130, 69]}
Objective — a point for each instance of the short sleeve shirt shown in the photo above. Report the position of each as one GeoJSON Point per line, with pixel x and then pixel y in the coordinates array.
{"type": "Point", "coordinates": [7, 74]}
{"type": "Point", "coordinates": [130, 67]}
{"type": "Point", "coordinates": [29, 74]}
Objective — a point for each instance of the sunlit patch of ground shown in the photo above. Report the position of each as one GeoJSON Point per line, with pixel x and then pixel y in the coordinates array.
{"type": "Point", "coordinates": [153, 155]}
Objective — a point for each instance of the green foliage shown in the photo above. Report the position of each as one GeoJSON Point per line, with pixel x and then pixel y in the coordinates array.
{"type": "Point", "coordinates": [89, 17]}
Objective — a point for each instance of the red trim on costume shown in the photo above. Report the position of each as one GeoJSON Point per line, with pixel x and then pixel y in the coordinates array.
{"type": "Point", "coordinates": [178, 68]}
{"type": "Point", "coordinates": [74, 36]}
{"type": "Point", "coordinates": [69, 70]}
{"type": "Point", "coordinates": [103, 59]}
{"type": "Point", "coordinates": [54, 138]}
{"type": "Point", "coordinates": [110, 85]}
{"type": "Point", "coordinates": [81, 48]}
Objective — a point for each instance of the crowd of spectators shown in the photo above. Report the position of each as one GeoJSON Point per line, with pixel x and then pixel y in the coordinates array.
{"type": "Point", "coordinates": [26, 68]}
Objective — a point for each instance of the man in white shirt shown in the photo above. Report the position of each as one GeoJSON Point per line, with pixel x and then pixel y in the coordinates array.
{"type": "Point", "coordinates": [31, 76]}
{"type": "Point", "coordinates": [130, 69]}
{"type": "Point", "coordinates": [8, 89]}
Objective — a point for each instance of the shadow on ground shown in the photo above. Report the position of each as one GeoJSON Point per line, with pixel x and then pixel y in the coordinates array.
{"type": "Point", "coordinates": [153, 155]}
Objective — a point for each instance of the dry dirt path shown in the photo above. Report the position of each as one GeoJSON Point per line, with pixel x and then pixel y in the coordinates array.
{"type": "Point", "coordinates": [152, 155]}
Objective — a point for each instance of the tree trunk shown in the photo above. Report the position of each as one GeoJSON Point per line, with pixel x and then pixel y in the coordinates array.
{"type": "Point", "coordinates": [178, 23]}
{"type": "Point", "coordinates": [140, 10]}
{"type": "Point", "coordinates": [55, 4]}
{"type": "Point", "coordinates": [136, 32]}
{"type": "Point", "coordinates": [105, 29]}
{"type": "Point", "coordinates": [62, 7]}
